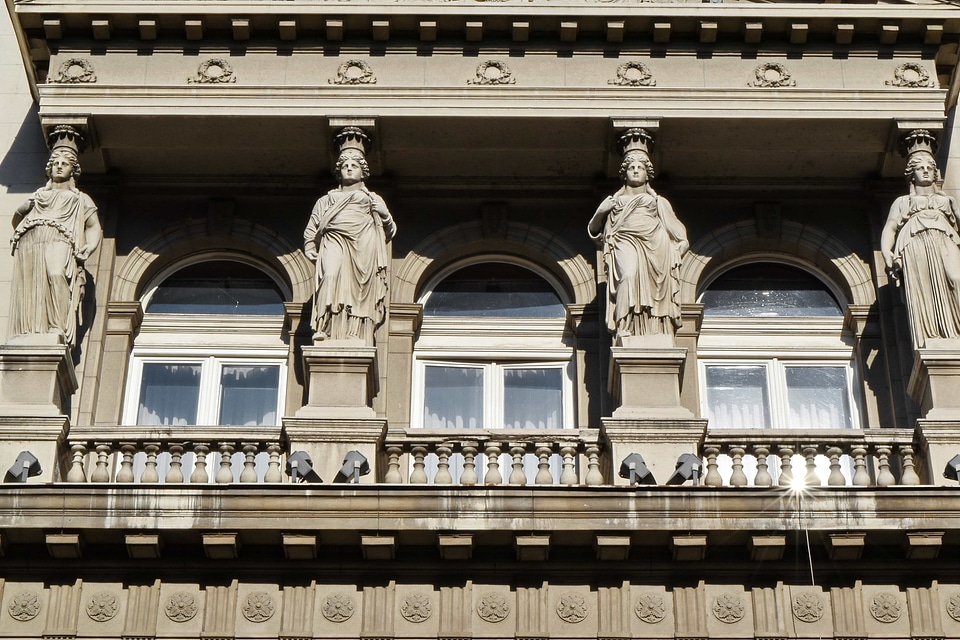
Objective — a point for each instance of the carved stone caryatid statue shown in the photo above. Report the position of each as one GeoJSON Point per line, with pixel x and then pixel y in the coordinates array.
{"type": "Point", "coordinates": [643, 243]}
{"type": "Point", "coordinates": [55, 231]}
{"type": "Point", "coordinates": [346, 237]}
{"type": "Point", "coordinates": [920, 244]}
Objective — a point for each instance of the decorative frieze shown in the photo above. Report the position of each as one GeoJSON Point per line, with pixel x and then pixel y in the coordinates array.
{"type": "Point", "coordinates": [493, 72]}
{"type": "Point", "coordinates": [354, 72]}
{"type": "Point", "coordinates": [728, 608]}
{"type": "Point", "coordinates": [339, 607]}
{"type": "Point", "coordinates": [651, 608]}
{"type": "Point", "coordinates": [24, 606]}
{"type": "Point", "coordinates": [181, 607]}
{"type": "Point", "coordinates": [633, 74]}
{"type": "Point", "coordinates": [493, 607]}
{"type": "Point", "coordinates": [808, 607]}
{"type": "Point", "coordinates": [771, 74]}
{"type": "Point", "coordinates": [102, 606]}
{"type": "Point", "coordinates": [572, 608]}
{"type": "Point", "coordinates": [75, 71]}
{"type": "Point", "coordinates": [912, 75]}
{"type": "Point", "coordinates": [214, 71]}
{"type": "Point", "coordinates": [416, 608]}
{"type": "Point", "coordinates": [885, 607]}
{"type": "Point", "coordinates": [259, 607]}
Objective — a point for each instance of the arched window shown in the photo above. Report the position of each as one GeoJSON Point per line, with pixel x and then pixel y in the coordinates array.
{"type": "Point", "coordinates": [772, 353]}
{"type": "Point", "coordinates": [210, 348]}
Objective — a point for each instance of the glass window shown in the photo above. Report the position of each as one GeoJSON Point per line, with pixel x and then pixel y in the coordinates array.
{"type": "Point", "coordinates": [769, 290]}
{"type": "Point", "coordinates": [491, 289]}
{"type": "Point", "coordinates": [248, 394]}
{"type": "Point", "coordinates": [169, 394]}
{"type": "Point", "coordinates": [218, 287]}
{"type": "Point", "coordinates": [532, 398]}
{"type": "Point", "coordinates": [737, 396]}
{"type": "Point", "coordinates": [818, 398]}
{"type": "Point", "coordinates": [453, 397]}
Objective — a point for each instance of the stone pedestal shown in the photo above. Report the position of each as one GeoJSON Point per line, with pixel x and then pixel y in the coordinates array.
{"type": "Point", "coordinates": [341, 380]}
{"type": "Point", "coordinates": [939, 442]}
{"type": "Point", "coordinates": [645, 377]}
{"type": "Point", "coordinates": [659, 441]}
{"type": "Point", "coordinates": [935, 383]}
{"type": "Point", "coordinates": [327, 440]}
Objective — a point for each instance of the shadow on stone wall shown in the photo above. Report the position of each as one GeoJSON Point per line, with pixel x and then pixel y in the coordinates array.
{"type": "Point", "coordinates": [22, 167]}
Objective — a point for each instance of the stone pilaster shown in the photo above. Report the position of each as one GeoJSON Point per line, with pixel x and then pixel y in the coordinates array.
{"type": "Point", "coordinates": [935, 382]}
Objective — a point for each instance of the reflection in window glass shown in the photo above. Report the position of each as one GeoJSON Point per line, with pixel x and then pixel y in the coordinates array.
{"type": "Point", "coordinates": [453, 397]}
{"type": "Point", "coordinates": [817, 398]}
{"type": "Point", "coordinates": [494, 289]}
{"type": "Point", "coordinates": [737, 397]}
{"type": "Point", "coordinates": [768, 290]}
{"type": "Point", "coordinates": [218, 287]}
{"type": "Point", "coordinates": [248, 395]}
{"type": "Point", "coordinates": [532, 398]}
{"type": "Point", "coordinates": [169, 394]}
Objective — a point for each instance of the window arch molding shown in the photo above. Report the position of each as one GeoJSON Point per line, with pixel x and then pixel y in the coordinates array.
{"type": "Point", "coordinates": [528, 245]}
{"type": "Point", "coordinates": [798, 245]}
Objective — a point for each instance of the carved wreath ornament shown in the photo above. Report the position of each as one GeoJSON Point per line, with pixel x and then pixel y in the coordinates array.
{"type": "Point", "coordinates": [354, 72]}
{"type": "Point", "coordinates": [633, 74]}
{"type": "Point", "coordinates": [650, 608]}
{"type": "Point", "coordinates": [572, 608]}
{"type": "Point", "coordinates": [492, 72]}
{"type": "Point", "coordinates": [24, 606]}
{"type": "Point", "coordinates": [493, 607]}
{"type": "Point", "coordinates": [808, 607]}
{"type": "Point", "coordinates": [771, 74]}
{"type": "Point", "coordinates": [913, 75]}
{"type": "Point", "coordinates": [181, 607]}
{"type": "Point", "coordinates": [885, 607]}
{"type": "Point", "coordinates": [416, 608]}
{"type": "Point", "coordinates": [728, 608]}
{"type": "Point", "coordinates": [75, 71]}
{"type": "Point", "coordinates": [214, 71]}
{"type": "Point", "coordinates": [338, 608]}
{"type": "Point", "coordinates": [259, 607]}
{"type": "Point", "coordinates": [103, 606]}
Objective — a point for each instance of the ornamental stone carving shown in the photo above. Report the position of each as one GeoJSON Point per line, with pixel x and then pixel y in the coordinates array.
{"type": "Point", "coordinates": [953, 606]}
{"type": "Point", "coordinates": [181, 607]}
{"type": "Point", "coordinates": [728, 608]}
{"type": "Point", "coordinates": [259, 607]}
{"type": "Point", "coordinates": [493, 607]}
{"type": "Point", "coordinates": [912, 75]}
{"type": "Point", "coordinates": [103, 606]}
{"type": "Point", "coordinates": [885, 608]}
{"type": "Point", "coordinates": [214, 71]}
{"type": "Point", "coordinates": [650, 608]}
{"type": "Point", "coordinates": [416, 608]}
{"type": "Point", "coordinates": [572, 608]}
{"type": "Point", "coordinates": [338, 607]}
{"type": "Point", "coordinates": [808, 607]}
{"type": "Point", "coordinates": [633, 74]}
{"type": "Point", "coordinates": [354, 72]}
{"type": "Point", "coordinates": [75, 71]}
{"type": "Point", "coordinates": [24, 606]}
{"type": "Point", "coordinates": [493, 72]}
{"type": "Point", "coordinates": [771, 74]}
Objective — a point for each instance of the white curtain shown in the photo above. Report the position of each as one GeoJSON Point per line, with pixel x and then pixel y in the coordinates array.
{"type": "Point", "coordinates": [532, 398]}
{"type": "Point", "coordinates": [169, 394]}
{"type": "Point", "coordinates": [248, 395]}
{"type": "Point", "coordinates": [453, 397]}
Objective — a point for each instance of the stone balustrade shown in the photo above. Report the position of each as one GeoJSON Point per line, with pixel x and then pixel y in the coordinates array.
{"type": "Point", "coordinates": [493, 457]}
{"type": "Point", "coordinates": [848, 457]}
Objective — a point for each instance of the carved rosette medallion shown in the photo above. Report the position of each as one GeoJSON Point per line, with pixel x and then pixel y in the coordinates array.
{"type": "Point", "coordinates": [181, 607]}
{"type": "Point", "coordinates": [650, 608]}
{"type": "Point", "coordinates": [416, 608]}
{"type": "Point", "coordinates": [885, 608]}
{"type": "Point", "coordinates": [572, 608]}
{"type": "Point", "coordinates": [728, 608]}
{"type": "Point", "coordinates": [24, 606]}
{"type": "Point", "coordinates": [808, 607]}
{"type": "Point", "coordinates": [103, 606]}
{"type": "Point", "coordinates": [953, 606]}
{"type": "Point", "coordinates": [633, 74]}
{"type": "Point", "coordinates": [493, 607]}
{"type": "Point", "coordinates": [354, 72]}
{"type": "Point", "coordinates": [912, 75]}
{"type": "Point", "coordinates": [493, 72]}
{"type": "Point", "coordinates": [338, 608]}
{"type": "Point", "coordinates": [259, 607]}
{"type": "Point", "coordinates": [214, 71]}
{"type": "Point", "coordinates": [771, 74]}
{"type": "Point", "coordinates": [75, 71]}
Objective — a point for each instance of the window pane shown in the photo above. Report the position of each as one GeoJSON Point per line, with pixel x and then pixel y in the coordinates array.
{"type": "Point", "coordinates": [453, 397]}
{"type": "Point", "coordinates": [494, 289]}
{"type": "Point", "coordinates": [533, 398]}
{"type": "Point", "coordinates": [169, 394]}
{"type": "Point", "coordinates": [817, 398]}
{"type": "Point", "coordinates": [737, 397]}
{"type": "Point", "coordinates": [768, 290]}
{"type": "Point", "coordinates": [248, 395]}
{"type": "Point", "coordinates": [218, 287]}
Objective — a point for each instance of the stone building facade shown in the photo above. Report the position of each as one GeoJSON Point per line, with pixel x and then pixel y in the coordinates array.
{"type": "Point", "coordinates": [478, 455]}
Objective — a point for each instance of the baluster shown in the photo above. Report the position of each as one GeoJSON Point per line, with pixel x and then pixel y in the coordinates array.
{"type": "Point", "coordinates": [569, 474]}
{"type": "Point", "coordinates": [884, 476]}
{"type": "Point", "coordinates": [738, 478]}
{"type": "Point", "coordinates": [393, 466]}
{"type": "Point", "coordinates": [712, 479]}
{"type": "Point", "coordinates": [273, 474]}
{"type": "Point", "coordinates": [861, 478]}
{"type": "Point", "coordinates": [493, 475]}
{"type": "Point", "coordinates": [249, 473]}
{"type": "Point", "coordinates": [200, 466]}
{"type": "Point", "coordinates": [443, 465]}
{"type": "Point", "coordinates": [543, 465]}
{"type": "Point", "coordinates": [908, 472]}
{"type": "Point", "coordinates": [77, 473]}
{"type": "Point", "coordinates": [225, 473]}
{"type": "Point", "coordinates": [150, 475]}
{"type": "Point", "coordinates": [517, 476]}
{"type": "Point", "coordinates": [125, 474]}
{"type": "Point", "coordinates": [594, 477]}
{"type": "Point", "coordinates": [786, 466]}
{"type": "Point", "coordinates": [810, 454]}
{"type": "Point", "coordinates": [102, 473]}
{"type": "Point", "coordinates": [763, 477]}
{"type": "Point", "coordinates": [836, 478]}
{"type": "Point", "coordinates": [418, 475]}
{"type": "Point", "coordinates": [469, 476]}
{"type": "Point", "coordinates": [175, 475]}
